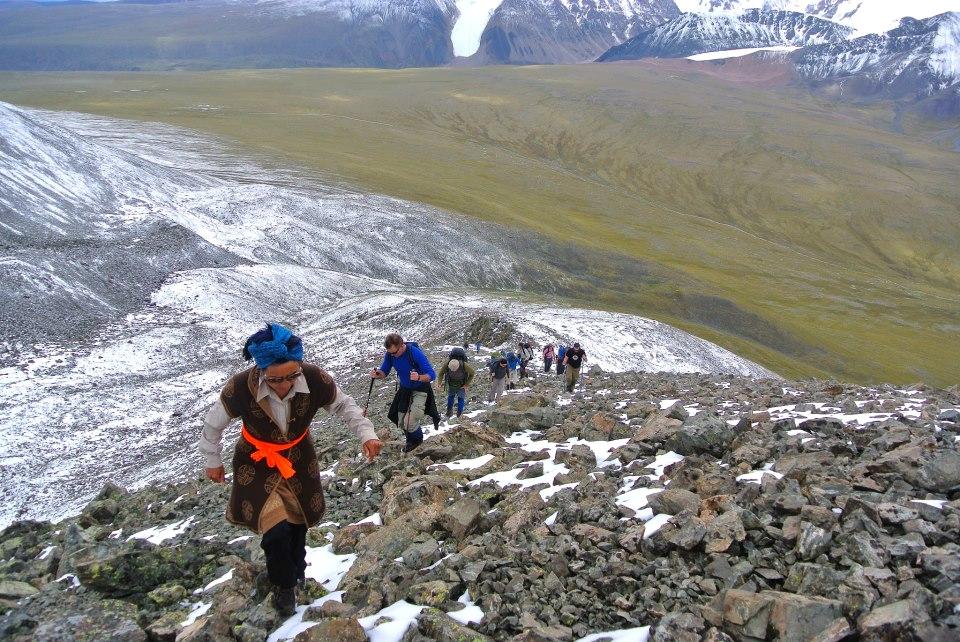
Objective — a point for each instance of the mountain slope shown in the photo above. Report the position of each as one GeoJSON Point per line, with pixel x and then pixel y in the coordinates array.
{"type": "Point", "coordinates": [863, 16]}
{"type": "Point", "coordinates": [204, 34]}
{"type": "Point", "coordinates": [337, 265]}
{"type": "Point", "coordinates": [695, 33]}
{"type": "Point", "coordinates": [557, 31]}
{"type": "Point", "coordinates": [919, 58]}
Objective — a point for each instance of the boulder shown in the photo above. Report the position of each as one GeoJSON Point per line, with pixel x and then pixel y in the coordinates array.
{"type": "Point", "coordinates": [657, 427]}
{"type": "Point", "coordinates": [674, 501]}
{"type": "Point", "coordinates": [702, 434]}
{"type": "Point", "coordinates": [786, 617]}
{"type": "Point", "coordinates": [421, 554]}
{"type": "Point", "coordinates": [433, 593]}
{"type": "Point", "coordinates": [402, 494]}
{"type": "Point", "coordinates": [346, 538]}
{"type": "Point", "coordinates": [462, 517]}
{"type": "Point", "coordinates": [437, 625]}
{"type": "Point", "coordinates": [337, 629]}
{"type": "Point", "coordinates": [897, 621]}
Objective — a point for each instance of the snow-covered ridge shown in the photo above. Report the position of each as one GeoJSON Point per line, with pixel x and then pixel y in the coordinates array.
{"type": "Point", "coordinates": [353, 9]}
{"type": "Point", "coordinates": [863, 16]}
{"type": "Point", "coordinates": [919, 57]}
{"type": "Point", "coordinates": [691, 34]}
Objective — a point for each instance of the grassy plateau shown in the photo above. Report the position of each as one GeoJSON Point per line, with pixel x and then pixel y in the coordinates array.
{"type": "Point", "coordinates": [807, 236]}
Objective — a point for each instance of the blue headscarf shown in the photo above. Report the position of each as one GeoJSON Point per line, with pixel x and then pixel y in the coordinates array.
{"type": "Point", "coordinates": [273, 344]}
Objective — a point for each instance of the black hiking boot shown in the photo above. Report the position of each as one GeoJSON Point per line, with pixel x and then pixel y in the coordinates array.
{"type": "Point", "coordinates": [285, 601]}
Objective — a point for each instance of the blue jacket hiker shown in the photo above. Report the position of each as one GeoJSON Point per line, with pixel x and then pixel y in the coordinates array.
{"type": "Point", "coordinates": [414, 397]}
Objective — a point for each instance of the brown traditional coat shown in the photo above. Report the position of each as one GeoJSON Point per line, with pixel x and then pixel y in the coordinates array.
{"type": "Point", "coordinates": [254, 482]}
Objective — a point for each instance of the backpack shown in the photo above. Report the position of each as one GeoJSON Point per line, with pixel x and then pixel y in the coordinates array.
{"type": "Point", "coordinates": [459, 354]}
{"type": "Point", "coordinates": [458, 376]}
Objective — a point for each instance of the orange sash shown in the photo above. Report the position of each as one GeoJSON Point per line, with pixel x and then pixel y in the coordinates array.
{"type": "Point", "coordinates": [271, 451]}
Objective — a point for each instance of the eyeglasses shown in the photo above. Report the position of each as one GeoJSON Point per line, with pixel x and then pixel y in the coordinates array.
{"type": "Point", "coordinates": [393, 350]}
{"type": "Point", "coordinates": [289, 377]}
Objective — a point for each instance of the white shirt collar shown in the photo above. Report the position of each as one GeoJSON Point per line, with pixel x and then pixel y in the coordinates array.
{"type": "Point", "coordinates": [299, 385]}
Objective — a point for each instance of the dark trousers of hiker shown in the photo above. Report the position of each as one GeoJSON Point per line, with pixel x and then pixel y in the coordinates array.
{"type": "Point", "coordinates": [547, 362]}
{"type": "Point", "coordinates": [560, 367]}
{"type": "Point", "coordinates": [461, 396]}
{"type": "Point", "coordinates": [523, 368]}
{"type": "Point", "coordinates": [285, 547]}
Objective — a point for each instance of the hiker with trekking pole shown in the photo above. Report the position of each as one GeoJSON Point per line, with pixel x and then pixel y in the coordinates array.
{"type": "Point", "coordinates": [276, 490]}
{"type": "Point", "coordinates": [414, 395]}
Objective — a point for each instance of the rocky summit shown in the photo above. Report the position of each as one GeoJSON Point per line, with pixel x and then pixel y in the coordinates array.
{"type": "Point", "coordinates": [645, 506]}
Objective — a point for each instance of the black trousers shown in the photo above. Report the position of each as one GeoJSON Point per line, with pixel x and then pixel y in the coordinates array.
{"type": "Point", "coordinates": [285, 547]}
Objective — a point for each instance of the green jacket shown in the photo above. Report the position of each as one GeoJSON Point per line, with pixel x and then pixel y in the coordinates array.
{"type": "Point", "coordinates": [442, 377]}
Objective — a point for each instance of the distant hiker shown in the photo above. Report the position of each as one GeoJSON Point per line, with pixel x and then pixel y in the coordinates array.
{"type": "Point", "coordinates": [548, 355]}
{"type": "Point", "coordinates": [526, 356]}
{"type": "Point", "coordinates": [414, 396]}
{"type": "Point", "coordinates": [561, 364]}
{"type": "Point", "coordinates": [499, 375]}
{"type": "Point", "coordinates": [276, 490]}
{"type": "Point", "coordinates": [478, 344]}
{"type": "Point", "coordinates": [513, 362]}
{"type": "Point", "coordinates": [457, 375]}
{"type": "Point", "coordinates": [573, 360]}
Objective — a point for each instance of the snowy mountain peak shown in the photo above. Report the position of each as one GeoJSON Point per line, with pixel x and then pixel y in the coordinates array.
{"type": "Point", "coordinates": [920, 57]}
{"type": "Point", "coordinates": [692, 33]}
{"type": "Point", "coordinates": [864, 16]}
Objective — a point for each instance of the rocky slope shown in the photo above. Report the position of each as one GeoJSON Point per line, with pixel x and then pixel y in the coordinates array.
{"type": "Point", "coordinates": [552, 31]}
{"type": "Point", "coordinates": [692, 33]}
{"type": "Point", "coordinates": [649, 506]}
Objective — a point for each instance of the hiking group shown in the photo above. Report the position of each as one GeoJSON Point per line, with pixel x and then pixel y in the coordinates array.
{"type": "Point", "coordinates": [276, 488]}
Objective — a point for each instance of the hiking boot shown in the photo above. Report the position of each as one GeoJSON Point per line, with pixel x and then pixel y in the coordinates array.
{"type": "Point", "coordinates": [411, 445]}
{"type": "Point", "coordinates": [262, 585]}
{"type": "Point", "coordinates": [285, 601]}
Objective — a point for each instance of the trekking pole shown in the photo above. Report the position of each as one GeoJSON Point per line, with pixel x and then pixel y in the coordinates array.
{"type": "Point", "coordinates": [369, 393]}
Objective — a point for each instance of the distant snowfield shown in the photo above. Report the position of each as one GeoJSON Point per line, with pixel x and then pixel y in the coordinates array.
{"type": "Point", "coordinates": [473, 19]}
{"type": "Point", "coordinates": [335, 264]}
{"type": "Point", "coordinates": [737, 53]}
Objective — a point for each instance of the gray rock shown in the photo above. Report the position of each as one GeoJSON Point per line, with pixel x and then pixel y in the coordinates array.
{"type": "Point", "coordinates": [112, 620]}
{"type": "Point", "coordinates": [895, 513]}
{"type": "Point", "coordinates": [950, 414]}
{"type": "Point", "coordinates": [702, 434]}
{"type": "Point", "coordinates": [678, 627]}
{"type": "Point", "coordinates": [462, 517]}
{"type": "Point", "coordinates": [15, 590]}
{"type": "Point", "coordinates": [402, 494]}
{"type": "Point", "coordinates": [438, 626]}
{"type": "Point", "coordinates": [897, 621]}
{"type": "Point", "coordinates": [422, 554]}
{"type": "Point", "coordinates": [812, 541]}
{"type": "Point", "coordinates": [674, 501]}
{"type": "Point", "coordinates": [336, 629]}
